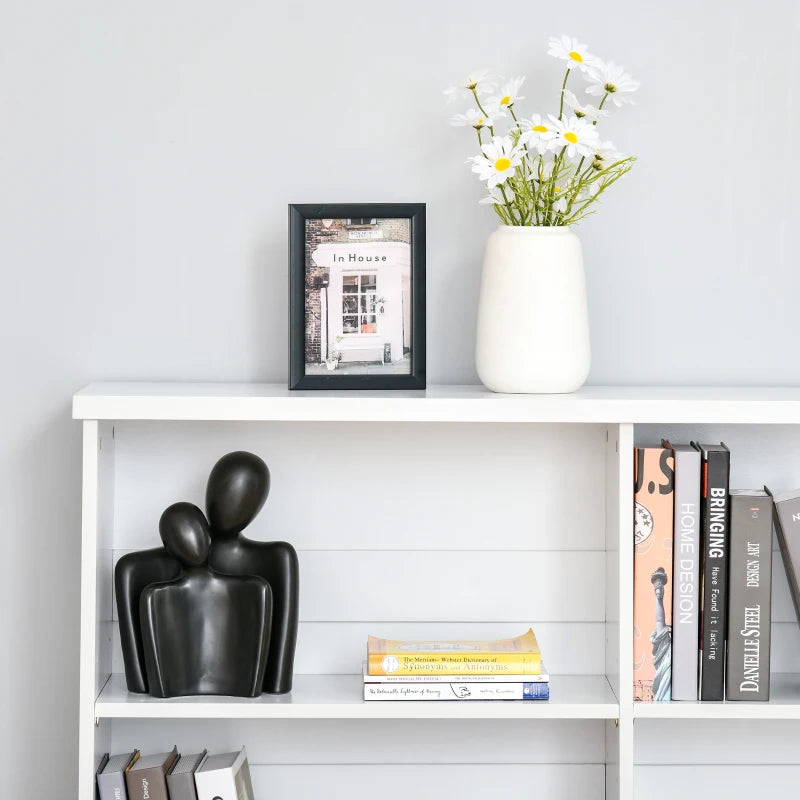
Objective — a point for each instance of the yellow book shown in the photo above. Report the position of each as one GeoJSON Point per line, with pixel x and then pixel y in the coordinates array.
{"type": "Point", "coordinates": [517, 656]}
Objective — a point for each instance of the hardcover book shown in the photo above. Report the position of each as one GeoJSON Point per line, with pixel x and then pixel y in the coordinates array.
{"type": "Point", "coordinates": [519, 655]}
{"type": "Point", "coordinates": [749, 593]}
{"type": "Point", "coordinates": [457, 690]}
{"type": "Point", "coordinates": [111, 775]}
{"type": "Point", "coordinates": [147, 778]}
{"type": "Point", "coordinates": [542, 677]}
{"type": "Point", "coordinates": [686, 571]}
{"type": "Point", "coordinates": [715, 537]}
{"type": "Point", "coordinates": [654, 485]}
{"type": "Point", "coordinates": [180, 780]}
{"type": "Point", "coordinates": [787, 528]}
{"type": "Point", "coordinates": [224, 777]}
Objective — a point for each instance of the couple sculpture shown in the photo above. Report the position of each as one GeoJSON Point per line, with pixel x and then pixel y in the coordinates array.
{"type": "Point", "coordinates": [211, 612]}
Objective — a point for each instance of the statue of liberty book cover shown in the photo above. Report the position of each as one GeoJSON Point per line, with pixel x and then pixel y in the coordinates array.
{"type": "Point", "coordinates": [654, 476]}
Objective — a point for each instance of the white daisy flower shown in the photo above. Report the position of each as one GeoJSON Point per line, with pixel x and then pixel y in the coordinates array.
{"type": "Point", "coordinates": [577, 135]}
{"type": "Point", "coordinates": [605, 154]}
{"type": "Point", "coordinates": [495, 197]}
{"type": "Point", "coordinates": [612, 80]}
{"type": "Point", "coordinates": [536, 132]}
{"type": "Point", "coordinates": [480, 81]}
{"type": "Point", "coordinates": [572, 51]}
{"type": "Point", "coordinates": [499, 160]}
{"type": "Point", "coordinates": [509, 94]}
{"type": "Point", "coordinates": [477, 119]}
{"type": "Point", "coordinates": [583, 110]}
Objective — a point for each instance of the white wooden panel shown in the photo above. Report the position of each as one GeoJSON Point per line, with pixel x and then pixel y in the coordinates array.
{"type": "Point", "coordinates": [408, 586]}
{"type": "Point", "coordinates": [731, 782]}
{"type": "Point", "coordinates": [372, 486]}
{"type": "Point", "coordinates": [735, 741]}
{"type": "Point", "coordinates": [472, 403]}
{"type": "Point", "coordinates": [374, 741]}
{"type": "Point", "coordinates": [570, 648]}
{"type": "Point", "coordinates": [340, 697]}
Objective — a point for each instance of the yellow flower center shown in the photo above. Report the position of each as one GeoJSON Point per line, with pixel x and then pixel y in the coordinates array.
{"type": "Point", "coordinates": [480, 121]}
{"type": "Point", "coordinates": [571, 137]}
{"type": "Point", "coordinates": [502, 164]}
{"type": "Point", "coordinates": [539, 129]}
{"type": "Point", "coordinates": [506, 101]}
{"type": "Point", "coordinates": [610, 88]}
{"type": "Point", "coordinates": [576, 57]}
{"type": "Point", "coordinates": [557, 189]}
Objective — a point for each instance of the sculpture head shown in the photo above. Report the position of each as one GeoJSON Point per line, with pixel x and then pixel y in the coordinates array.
{"type": "Point", "coordinates": [236, 491]}
{"type": "Point", "coordinates": [184, 532]}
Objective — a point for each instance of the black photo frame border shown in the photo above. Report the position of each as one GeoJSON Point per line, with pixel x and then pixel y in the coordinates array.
{"type": "Point", "coordinates": [298, 214]}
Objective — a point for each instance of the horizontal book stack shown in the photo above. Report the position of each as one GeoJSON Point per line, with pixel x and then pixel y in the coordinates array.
{"type": "Point", "coordinates": [503, 669]}
{"type": "Point", "coordinates": [171, 776]}
{"type": "Point", "coordinates": [703, 575]}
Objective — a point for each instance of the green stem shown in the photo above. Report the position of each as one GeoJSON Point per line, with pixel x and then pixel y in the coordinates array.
{"type": "Point", "coordinates": [505, 198]}
{"type": "Point", "coordinates": [482, 109]}
{"type": "Point", "coordinates": [561, 105]}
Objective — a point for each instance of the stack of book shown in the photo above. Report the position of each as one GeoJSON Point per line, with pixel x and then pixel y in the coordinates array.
{"type": "Point", "coordinates": [171, 776]}
{"type": "Point", "coordinates": [703, 575]}
{"type": "Point", "coordinates": [504, 669]}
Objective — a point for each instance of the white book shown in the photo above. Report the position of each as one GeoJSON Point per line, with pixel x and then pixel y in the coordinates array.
{"type": "Point", "coordinates": [224, 777]}
{"type": "Point", "coordinates": [457, 691]}
{"type": "Point", "coordinates": [544, 677]}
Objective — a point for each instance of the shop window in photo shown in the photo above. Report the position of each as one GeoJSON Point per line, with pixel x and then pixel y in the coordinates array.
{"type": "Point", "coordinates": [359, 304]}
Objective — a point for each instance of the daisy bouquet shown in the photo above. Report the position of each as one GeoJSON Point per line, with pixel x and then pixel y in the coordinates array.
{"type": "Point", "coordinates": [547, 170]}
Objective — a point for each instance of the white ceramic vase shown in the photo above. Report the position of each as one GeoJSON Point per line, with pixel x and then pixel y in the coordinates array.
{"type": "Point", "coordinates": [533, 322]}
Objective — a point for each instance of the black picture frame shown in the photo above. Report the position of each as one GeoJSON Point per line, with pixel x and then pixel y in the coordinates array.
{"type": "Point", "coordinates": [299, 285]}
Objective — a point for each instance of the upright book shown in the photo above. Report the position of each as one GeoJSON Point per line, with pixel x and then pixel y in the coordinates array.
{"type": "Point", "coordinates": [654, 486]}
{"type": "Point", "coordinates": [749, 593]}
{"type": "Point", "coordinates": [787, 528]}
{"type": "Point", "coordinates": [517, 656]}
{"type": "Point", "coordinates": [686, 572]}
{"type": "Point", "coordinates": [715, 541]}
{"type": "Point", "coordinates": [180, 780]}
{"type": "Point", "coordinates": [147, 778]}
{"type": "Point", "coordinates": [224, 777]}
{"type": "Point", "coordinates": [111, 775]}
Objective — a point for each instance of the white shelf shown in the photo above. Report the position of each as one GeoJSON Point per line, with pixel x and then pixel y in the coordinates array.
{"type": "Point", "coordinates": [784, 703]}
{"type": "Point", "coordinates": [255, 402]}
{"type": "Point", "coordinates": [340, 697]}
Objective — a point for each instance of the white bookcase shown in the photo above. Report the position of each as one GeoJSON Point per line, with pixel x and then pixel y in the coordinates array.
{"type": "Point", "coordinates": [453, 512]}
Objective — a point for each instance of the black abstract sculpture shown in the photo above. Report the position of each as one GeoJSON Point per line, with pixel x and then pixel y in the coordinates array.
{"type": "Point", "coordinates": [237, 489]}
{"type": "Point", "coordinates": [133, 573]}
{"type": "Point", "coordinates": [203, 633]}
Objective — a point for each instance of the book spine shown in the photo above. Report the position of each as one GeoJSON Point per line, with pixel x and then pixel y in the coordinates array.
{"type": "Point", "coordinates": [218, 784]}
{"type": "Point", "coordinates": [686, 569]}
{"type": "Point", "coordinates": [654, 475]}
{"type": "Point", "coordinates": [181, 787]}
{"type": "Point", "coordinates": [716, 539]}
{"type": "Point", "coordinates": [503, 678]}
{"type": "Point", "coordinates": [448, 664]}
{"type": "Point", "coordinates": [111, 786]}
{"type": "Point", "coordinates": [787, 529]}
{"type": "Point", "coordinates": [147, 784]}
{"type": "Point", "coordinates": [457, 691]}
{"type": "Point", "coordinates": [750, 590]}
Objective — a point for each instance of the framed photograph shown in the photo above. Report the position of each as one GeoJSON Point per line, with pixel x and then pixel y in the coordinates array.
{"type": "Point", "coordinates": [357, 296]}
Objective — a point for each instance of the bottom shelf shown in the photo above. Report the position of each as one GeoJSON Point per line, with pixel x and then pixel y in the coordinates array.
{"type": "Point", "coordinates": [784, 703]}
{"type": "Point", "coordinates": [340, 697]}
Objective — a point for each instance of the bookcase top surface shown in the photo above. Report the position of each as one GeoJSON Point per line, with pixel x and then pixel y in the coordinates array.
{"type": "Point", "coordinates": [260, 402]}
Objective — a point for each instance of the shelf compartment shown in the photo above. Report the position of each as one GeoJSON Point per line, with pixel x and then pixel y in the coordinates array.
{"type": "Point", "coordinates": [340, 697]}
{"type": "Point", "coordinates": [784, 703]}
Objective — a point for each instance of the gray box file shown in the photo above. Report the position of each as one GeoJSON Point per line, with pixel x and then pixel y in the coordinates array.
{"type": "Point", "coordinates": [180, 781]}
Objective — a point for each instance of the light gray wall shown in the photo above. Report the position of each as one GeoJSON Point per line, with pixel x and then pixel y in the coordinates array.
{"type": "Point", "coordinates": [147, 154]}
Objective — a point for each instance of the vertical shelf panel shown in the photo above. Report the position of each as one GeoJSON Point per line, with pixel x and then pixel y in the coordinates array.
{"type": "Point", "coordinates": [96, 555]}
{"type": "Point", "coordinates": [619, 608]}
